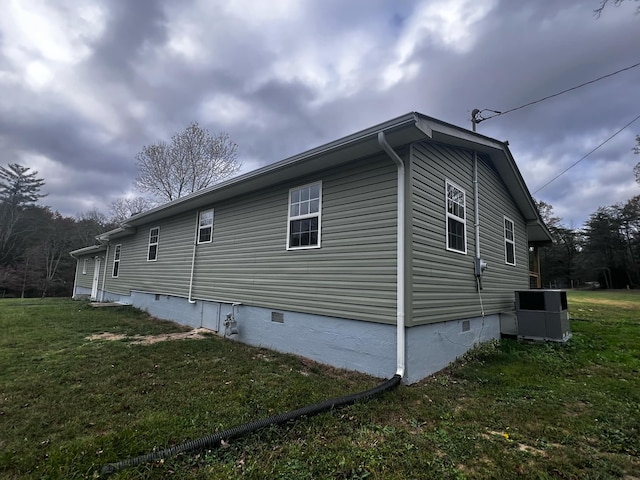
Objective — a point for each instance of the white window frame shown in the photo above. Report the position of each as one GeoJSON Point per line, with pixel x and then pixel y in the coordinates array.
{"type": "Point", "coordinates": [84, 266]}
{"type": "Point", "coordinates": [448, 215]}
{"type": "Point", "coordinates": [117, 253]}
{"type": "Point", "coordinates": [202, 227]}
{"type": "Point", "coordinates": [153, 244]}
{"type": "Point", "coordinates": [509, 241]}
{"type": "Point", "coordinates": [293, 218]}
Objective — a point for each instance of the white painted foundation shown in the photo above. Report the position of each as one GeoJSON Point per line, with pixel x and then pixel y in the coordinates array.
{"type": "Point", "coordinates": [366, 347]}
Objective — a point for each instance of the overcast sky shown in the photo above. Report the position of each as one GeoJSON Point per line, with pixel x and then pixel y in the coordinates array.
{"type": "Point", "coordinates": [84, 85]}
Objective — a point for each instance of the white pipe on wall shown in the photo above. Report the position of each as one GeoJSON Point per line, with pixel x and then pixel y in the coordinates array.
{"type": "Point", "coordinates": [400, 257]}
{"type": "Point", "coordinates": [193, 257]}
{"type": "Point", "coordinates": [476, 203]}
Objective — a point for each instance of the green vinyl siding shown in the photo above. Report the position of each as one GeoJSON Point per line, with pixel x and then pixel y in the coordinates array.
{"type": "Point", "coordinates": [352, 275]}
{"type": "Point", "coordinates": [500, 280]}
{"type": "Point", "coordinates": [169, 274]}
{"type": "Point", "coordinates": [443, 282]}
{"type": "Point", "coordinates": [85, 280]}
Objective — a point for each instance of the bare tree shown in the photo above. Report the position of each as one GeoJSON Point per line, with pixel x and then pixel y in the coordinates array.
{"type": "Point", "coordinates": [123, 208]}
{"type": "Point", "coordinates": [193, 160]}
{"type": "Point", "coordinates": [603, 3]}
{"type": "Point", "coordinates": [90, 224]}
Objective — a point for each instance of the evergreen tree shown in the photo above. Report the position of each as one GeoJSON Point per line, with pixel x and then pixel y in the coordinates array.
{"type": "Point", "coordinates": [18, 188]}
{"type": "Point", "coordinates": [19, 191]}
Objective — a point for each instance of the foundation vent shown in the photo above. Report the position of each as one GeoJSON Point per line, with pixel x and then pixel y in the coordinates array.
{"type": "Point", "coordinates": [277, 317]}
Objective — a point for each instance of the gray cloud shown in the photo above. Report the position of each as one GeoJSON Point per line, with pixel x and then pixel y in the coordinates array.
{"type": "Point", "coordinates": [85, 85]}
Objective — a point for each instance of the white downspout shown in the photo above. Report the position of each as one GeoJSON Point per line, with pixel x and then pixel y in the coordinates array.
{"type": "Point", "coordinates": [75, 277]}
{"type": "Point", "coordinates": [400, 256]}
{"type": "Point", "coordinates": [104, 274]}
{"type": "Point", "coordinates": [193, 258]}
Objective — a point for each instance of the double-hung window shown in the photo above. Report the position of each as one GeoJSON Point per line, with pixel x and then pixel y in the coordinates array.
{"type": "Point", "coordinates": [305, 207]}
{"type": "Point", "coordinates": [509, 242]}
{"type": "Point", "coordinates": [154, 238]}
{"type": "Point", "coordinates": [456, 224]}
{"type": "Point", "coordinates": [205, 226]}
{"type": "Point", "coordinates": [116, 261]}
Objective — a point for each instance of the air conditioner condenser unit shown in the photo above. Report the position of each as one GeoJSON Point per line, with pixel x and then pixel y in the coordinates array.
{"type": "Point", "coordinates": [542, 315]}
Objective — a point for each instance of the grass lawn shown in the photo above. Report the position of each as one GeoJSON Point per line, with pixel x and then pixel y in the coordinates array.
{"type": "Point", "coordinates": [68, 405]}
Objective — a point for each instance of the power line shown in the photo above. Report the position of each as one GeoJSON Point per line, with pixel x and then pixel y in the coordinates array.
{"type": "Point", "coordinates": [475, 118]}
{"type": "Point", "coordinates": [585, 156]}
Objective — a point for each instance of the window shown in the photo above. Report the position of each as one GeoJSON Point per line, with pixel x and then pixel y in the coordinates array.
{"type": "Point", "coordinates": [456, 218]}
{"type": "Point", "coordinates": [84, 266]}
{"type": "Point", "coordinates": [205, 226]}
{"type": "Point", "coordinates": [116, 261]}
{"type": "Point", "coordinates": [305, 205]}
{"type": "Point", "coordinates": [509, 242]}
{"type": "Point", "coordinates": [154, 236]}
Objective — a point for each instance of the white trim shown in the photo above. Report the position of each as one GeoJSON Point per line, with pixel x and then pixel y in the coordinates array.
{"type": "Point", "coordinates": [117, 253]}
{"type": "Point", "coordinates": [151, 244]}
{"type": "Point", "coordinates": [201, 227]}
{"type": "Point", "coordinates": [462, 220]}
{"type": "Point", "coordinates": [317, 214]}
{"type": "Point", "coordinates": [509, 241]}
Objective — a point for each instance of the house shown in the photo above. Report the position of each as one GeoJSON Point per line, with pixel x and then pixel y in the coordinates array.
{"type": "Point", "coordinates": [392, 250]}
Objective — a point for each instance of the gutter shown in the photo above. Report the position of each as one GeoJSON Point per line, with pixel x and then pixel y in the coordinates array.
{"type": "Point", "coordinates": [400, 256]}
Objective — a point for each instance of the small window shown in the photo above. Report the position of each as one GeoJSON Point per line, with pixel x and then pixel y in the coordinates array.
{"type": "Point", "coordinates": [84, 266]}
{"type": "Point", "coordinates": [456, 218]}
{"type": "Point", "coordinates": [509, 242]}
{"type": "Point", "coordinates": [305, 205]}
{"type": "Point", "coordinates": [205, 226]}
{"type": "Point", "coordinates": [154, 237]}
{"type": "Point", "coordinates": [116, 261]}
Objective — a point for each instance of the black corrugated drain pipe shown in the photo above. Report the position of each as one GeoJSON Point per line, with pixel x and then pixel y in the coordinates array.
{"type": "Point", "coordinates": [214, 440]}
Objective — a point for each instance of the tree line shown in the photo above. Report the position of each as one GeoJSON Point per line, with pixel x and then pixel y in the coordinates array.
{"type": "Point", "coordinates": [604, 252]}
{"type": "Point", "coordinates": [35, 240]}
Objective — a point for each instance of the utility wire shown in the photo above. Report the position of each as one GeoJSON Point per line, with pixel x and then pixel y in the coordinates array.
{"type": "Point", "coordinates": [497, 114]}
{"type": "Point", "coordinates": [585, 156]}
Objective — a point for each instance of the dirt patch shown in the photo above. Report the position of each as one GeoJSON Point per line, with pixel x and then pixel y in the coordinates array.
{"type": "Point", "coordinates": [194, 334]}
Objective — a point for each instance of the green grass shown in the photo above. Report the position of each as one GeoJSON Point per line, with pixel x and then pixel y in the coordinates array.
{"type": "Point", "coordinates": [69, 405]}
